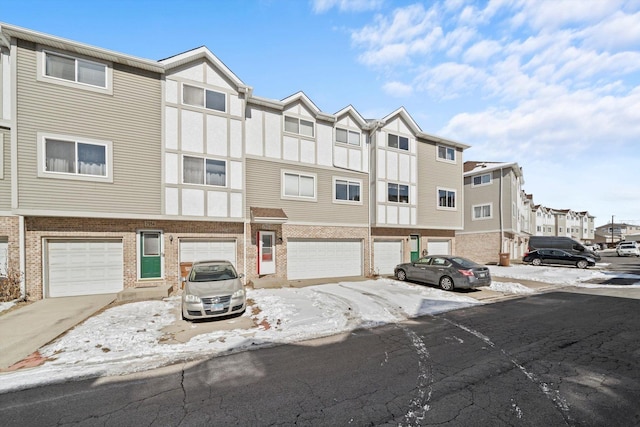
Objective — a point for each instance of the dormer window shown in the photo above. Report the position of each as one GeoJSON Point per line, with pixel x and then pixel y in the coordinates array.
{"type": "Point", "coordinates": [298, 126]}
{"type": "Point", "coordinates": [399, 142]}
{"type": "Point", "coordinates": [200, 97]}
{"type": "Point", "coordinates": [349, 137]}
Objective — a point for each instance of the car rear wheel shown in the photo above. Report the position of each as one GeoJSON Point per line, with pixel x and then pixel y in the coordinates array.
{"type": "Point", "coordinates": [446, 283]}
{"type": "Point", "coordinates": [401, 275]}
{"type": "Point", "coordinates": [536, 261]}
{"type": "Point", "coordinates": [582, 264]}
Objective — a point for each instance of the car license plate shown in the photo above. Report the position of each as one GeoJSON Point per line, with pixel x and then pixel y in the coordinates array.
{"type": "Point", "coordinates": [482, 275]}
{"type": "Point", "coordinates": [214, 307]}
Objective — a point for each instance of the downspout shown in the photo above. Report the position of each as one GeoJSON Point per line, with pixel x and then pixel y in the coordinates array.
{"type": "Point", "coordinates": [13, 73]}
{"type": "Point", "coordinates": [248, 91]}
{"type": "Point", "coordinates": [501, 215]}
{"type": "Point", "coordinates": [373, 160]}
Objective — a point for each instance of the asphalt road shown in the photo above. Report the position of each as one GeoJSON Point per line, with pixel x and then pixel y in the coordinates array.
{"type": "Point", "coordinates": [550, 359]}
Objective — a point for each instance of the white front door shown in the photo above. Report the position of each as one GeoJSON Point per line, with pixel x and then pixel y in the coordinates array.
{"type": "Point", "coordinates": [266, 252]}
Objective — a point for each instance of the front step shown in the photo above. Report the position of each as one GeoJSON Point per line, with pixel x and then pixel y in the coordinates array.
{"type": "Point", "coordinates": [145, 293]}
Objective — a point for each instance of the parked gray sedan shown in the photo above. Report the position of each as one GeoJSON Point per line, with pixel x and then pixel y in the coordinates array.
{"type": "Point", "coordinates": [212, 289]}
{"type": "Point", "coordinates": [446, 271]}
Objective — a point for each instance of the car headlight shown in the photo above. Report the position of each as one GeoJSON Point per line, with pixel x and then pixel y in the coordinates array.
{"type": "Point", "coordinates": [238, 294]}
{"type": "Point", "coordinates": [192, 298]}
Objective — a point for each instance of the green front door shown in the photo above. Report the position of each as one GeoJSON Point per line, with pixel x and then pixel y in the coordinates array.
{"type": "Point", "coordinates": [415, 247]}
{"type": "Point", "coordinates": [150, 255]}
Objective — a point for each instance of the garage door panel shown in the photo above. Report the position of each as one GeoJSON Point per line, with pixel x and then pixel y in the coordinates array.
{"type": "Point", "coordinates": [77, 267]}
{"type": "Point", "coordinates": [201, 250]}
{"type": "Point", "coordinates": [313, 259]}
{"type": "Point", "coordinates": [438, 247]}
{"type": "Point", "coordinates": [386, 255]}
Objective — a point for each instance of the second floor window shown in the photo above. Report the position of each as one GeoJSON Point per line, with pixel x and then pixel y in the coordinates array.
{"type": "Point", "coordinates": [75, 70]}
{"type": "Point", "coordinates": [446, 199]}
{"type": "Point", "coordinates": [73, 157]}
{"type": "Point", "coordinates": [299, 185]}
{"type": "Point", "coordinates": [299, 126]}
{"type": "Point", "coordinates": [399, 142]}
{"type": "Point", "coordinates": [480, 212]}
{"type": "Point", "coordinates": [347, 190]}
{"type": "Point", "coordinates": [398, 193]}
{"type": "Point", "coordinates": [200, 97]}
{"type": "Point", "coordinates": [198, 170]}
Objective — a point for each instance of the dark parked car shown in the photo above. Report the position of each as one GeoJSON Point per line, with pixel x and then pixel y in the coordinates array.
{"type": "Point", "coordinates": [564, 243]}
{"type": "Point", "coordinates": [446, 271]}
{"type": "Point", "coordinates": [212, 289]}
{"type": "Point", "coordinates": [558, 256]}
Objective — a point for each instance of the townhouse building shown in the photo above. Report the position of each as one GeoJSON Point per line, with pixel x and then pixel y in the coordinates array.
{"type": "Point", "coordinates": [497, 211]}
{"type": "Point", "coordinates": [416, 192]}
{"type": "Point", "coordinates": [564, 222]}
{"type": "Point", "coordinates": [118, 172]}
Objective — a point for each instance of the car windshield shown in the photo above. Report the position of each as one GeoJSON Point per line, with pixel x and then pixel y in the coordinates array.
{"type": "Point", "coordinates": [463, 262]}
{"type": "Point", "coordinates": [212, 272]}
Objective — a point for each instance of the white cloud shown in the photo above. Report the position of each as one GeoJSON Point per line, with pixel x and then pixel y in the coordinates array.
{"type": "Point", "coordinates": [398, 89]}
{"type": "Point", "coordinates": [482, 51]}
{"type": "Point", "coordinates": [321, 6]}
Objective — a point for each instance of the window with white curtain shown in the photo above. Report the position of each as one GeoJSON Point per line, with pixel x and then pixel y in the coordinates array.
{"type": "Point", "coordinates": [200, 97]}
{"type": "Point", "coordinates": [299, 126]}
{"type": "Point", "coordinates": [482, 211]}
{"type": "Point", "coordinates": [299, 185]}
{"type": "Point", "coordinates": [74, 157]}
{"type": "Point", "coordinates": [203, 171]}
{"type": "Point", "coordinates": [75, 70]}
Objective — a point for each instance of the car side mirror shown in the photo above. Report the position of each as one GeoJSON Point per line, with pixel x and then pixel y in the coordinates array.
{"type": "Point", "coordinates": [240, 276]}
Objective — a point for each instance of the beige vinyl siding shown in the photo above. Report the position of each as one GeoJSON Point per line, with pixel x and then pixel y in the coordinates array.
{"type": "Point", "coordinates": [5, 177]}
{"type": "Point", "coordinates": [432, 175]}
{"type": "Point", "coordinates": [482, 195]}
{"type": "Point", "coordinates": [264, 190]}
{"type": "Point", "coordinates": [130, 119]}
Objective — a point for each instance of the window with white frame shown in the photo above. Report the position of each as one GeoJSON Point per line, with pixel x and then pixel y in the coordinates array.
{"type": "Point", "coordinates": [299, 126]}
{"type": "Point", "coordinates": [446, 153]}
{"type": "Point", "coordinates": [347, 190]}
{"type": "Point", "coordinates": [200, 97]}
{"type": "Point", "coordinates": [203, 171]}
{"type": "Point", "coordinates": [482, 211]}
{"type": "Point", "coordinates": [397, 193]}
{"type": "Point", "coordinates": [349, 137]}
{"type": "Point", "coordinates": [483, 179]}
{"type": "Point", "coordinates": [399, 142]}
{"type": "Point", "coordinates": [446, 198]}
{"type": "Point", "coordinates": [298, 185]}
{"type": "Point", "coordinates": [75, 69]}
{"type": "Point", "coordinates": [71, 157]}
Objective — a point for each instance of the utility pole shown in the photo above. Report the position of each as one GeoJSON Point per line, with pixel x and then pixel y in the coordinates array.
{"type": "Point", "coordinates": [612, 229]}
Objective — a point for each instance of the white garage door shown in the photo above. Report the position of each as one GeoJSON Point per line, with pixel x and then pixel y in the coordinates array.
{"type": "Point", "coordinates": [3, 257]}
{"type": "Point", "coordinates": [84, 267]}
{"type": "Point", "coordinates": [438, 247]}
{"type": "Point", "coordinates": [386, 255]}
{"type": "Point", "coordinates": [315, 259]}
{"type": "Point", "coordinates": [201, 250]}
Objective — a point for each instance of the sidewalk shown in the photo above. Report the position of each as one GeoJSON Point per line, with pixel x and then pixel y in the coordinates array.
{"type": "Point", "coordinates": [24, 330]}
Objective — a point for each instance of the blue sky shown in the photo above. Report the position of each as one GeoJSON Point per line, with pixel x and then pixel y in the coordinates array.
{"type": "Point", "coordinates": [553, 85]}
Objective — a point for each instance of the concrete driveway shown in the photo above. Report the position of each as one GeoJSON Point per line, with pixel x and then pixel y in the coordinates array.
{"type": "Point", "coordinates": [25, 330]}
